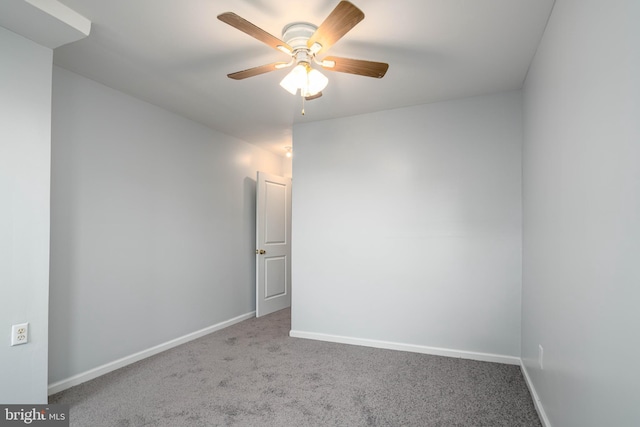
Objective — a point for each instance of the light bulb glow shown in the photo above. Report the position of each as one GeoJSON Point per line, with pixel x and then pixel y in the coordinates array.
{"type": "Point", "coordinates": [316, 81]}
{"type": "Point", "coordinates": [304, 78]}
{"type": "Point", "coordinates": [296, 79]}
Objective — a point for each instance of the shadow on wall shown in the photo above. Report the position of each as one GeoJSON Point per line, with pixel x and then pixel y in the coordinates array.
{"type": "Point", "coordinates": [249, 217]}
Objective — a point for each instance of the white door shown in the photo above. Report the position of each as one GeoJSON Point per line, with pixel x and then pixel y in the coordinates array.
{"type": "Point", "coordinates": [273, 244]}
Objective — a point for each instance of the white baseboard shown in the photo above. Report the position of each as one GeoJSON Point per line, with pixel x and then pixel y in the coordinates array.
{"type": "Point", "coordinates": [536, 399]}
{"type": "Point", "coordinates": [436, 351]}
{"type": "Point", "coordinates": [117, 364]}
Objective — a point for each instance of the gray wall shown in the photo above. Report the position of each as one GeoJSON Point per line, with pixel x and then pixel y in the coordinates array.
{"type": "Point", "coordinates": [25, 155]}
{"type": "Point", "coordinates": [152, 226]}
{"type": "Point", "coordinates": [407, 226]}
{"type": "Point", "coordinates": [581, 286]}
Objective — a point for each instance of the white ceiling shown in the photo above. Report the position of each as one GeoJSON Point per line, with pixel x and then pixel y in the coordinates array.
{"type": "Point", "coordinates": [176, 54]}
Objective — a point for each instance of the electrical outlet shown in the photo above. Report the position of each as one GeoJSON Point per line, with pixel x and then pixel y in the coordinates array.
{"type": "Point", "coordinates": [20, 334]}
{"type": "Point", "coordinates": [540, 356]}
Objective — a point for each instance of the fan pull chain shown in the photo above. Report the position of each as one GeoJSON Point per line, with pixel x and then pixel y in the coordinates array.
{"type": "Point", "coordinates": [303, 98]}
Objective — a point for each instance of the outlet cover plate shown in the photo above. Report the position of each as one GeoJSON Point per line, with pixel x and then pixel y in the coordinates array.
{"type": "Point", "coordinates": [20, 334]}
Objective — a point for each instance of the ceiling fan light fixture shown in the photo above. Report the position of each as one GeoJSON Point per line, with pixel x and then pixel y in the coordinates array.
{"type": "Point", "coordinates": [296, 79]}
{"type": "Point", "coordinates": [304, 78]}
{"type": "Point", "coordinates": [316, 82]}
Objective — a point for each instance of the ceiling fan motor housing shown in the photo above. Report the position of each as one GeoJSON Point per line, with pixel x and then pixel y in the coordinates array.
{"type": "Point", "coordinates": [297, 34]}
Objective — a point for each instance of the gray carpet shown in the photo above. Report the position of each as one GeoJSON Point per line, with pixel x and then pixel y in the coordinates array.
{"type": "Point", "coordinates": [254, 374]}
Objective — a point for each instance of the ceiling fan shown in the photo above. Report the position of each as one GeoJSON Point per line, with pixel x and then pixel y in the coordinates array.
{"type": "Point", "coordinates": [303, 42]}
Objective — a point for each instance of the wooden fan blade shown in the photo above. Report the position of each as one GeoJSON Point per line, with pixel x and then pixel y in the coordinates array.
{"type": "Point", "coordinates": [342, 19]}
{"type": "Point", "coordinates": [312, 97]}
{"type": "Point", "coordinates": [356, 66]}
{"type": "Point", "coordinates": [253, 30]}
{"type": "Point", "coordinates": [239, 75]}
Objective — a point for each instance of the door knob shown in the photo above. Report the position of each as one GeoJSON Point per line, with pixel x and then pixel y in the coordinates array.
{"type": "Point", "coordinates": [260, 252]}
